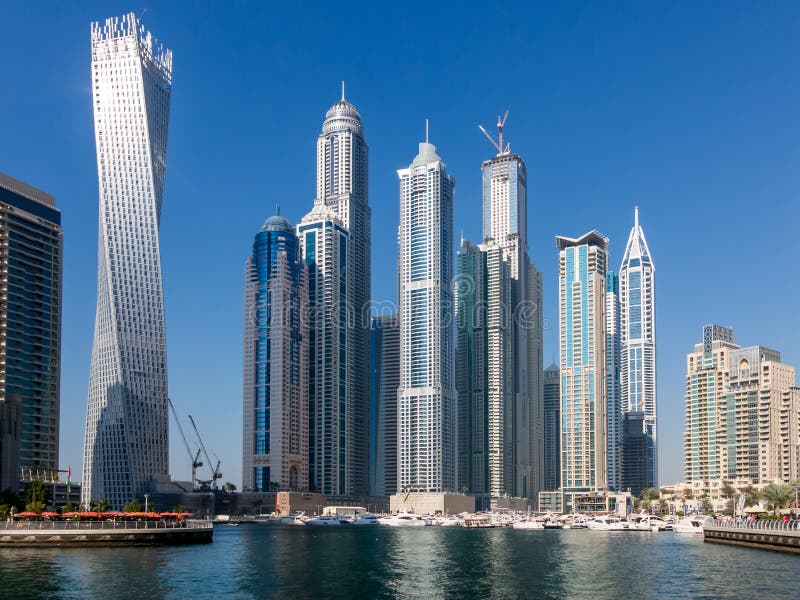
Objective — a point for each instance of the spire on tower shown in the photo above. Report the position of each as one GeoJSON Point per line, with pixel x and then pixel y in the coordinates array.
{"type": "Point", "coordinates": [343, 100]}
{"type": "Point", "coordinates": [636, 217]}
{"type": "Point", "coordinates": [426, 131]}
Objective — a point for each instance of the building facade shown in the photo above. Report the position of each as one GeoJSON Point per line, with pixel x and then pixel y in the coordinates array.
{"type": "Point", "coordinates": [636, 453]}
{"type": "Point", "coordinates": [426, 396]}
{"type": "Point", "coordinates": [552, 428]}
{"type": "Point", "coordinates": [385, 374]}
{"type": "Point", "coordinates": [582, 348]}
{"type": "Point", "coordinates": [333, 435]}
{"type": "Point", "coordinates": [742, 413]}
{"type": "Point", "coordinates": [30, 326]}
{"type": "Point", "coordinates": [505, 224]}
{"type": "Point", "coordinates": [343, 187]}
{"type": "Point", "coordinates": [126, 447]}
{"type": "Point", "coordinates": [637, 321]}
{"type": "Point", "coordinates": [275, 416]}
{"type": "Point", "coordinates": [613, 402]}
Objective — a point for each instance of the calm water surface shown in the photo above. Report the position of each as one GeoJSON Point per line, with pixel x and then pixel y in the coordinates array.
{"type": "Point", "coordinates": [260, 561]}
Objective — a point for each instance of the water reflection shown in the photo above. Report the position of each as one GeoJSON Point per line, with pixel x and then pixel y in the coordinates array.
{"type": "Point", "coordinates": [258, 561]}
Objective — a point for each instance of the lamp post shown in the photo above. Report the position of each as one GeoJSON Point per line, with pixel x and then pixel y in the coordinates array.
{"type": "Point", "coordinates": [146, 498]}
{"type": "Point", "coordinates": [796, 487]}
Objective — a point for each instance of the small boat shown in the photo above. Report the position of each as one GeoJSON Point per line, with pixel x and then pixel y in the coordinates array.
{"type": "Point", "coordinates": [606, 524]}
{"type": "Point", "coordinates": [324, 521]}
{"type": "Point", "coordinates": [232, 523]}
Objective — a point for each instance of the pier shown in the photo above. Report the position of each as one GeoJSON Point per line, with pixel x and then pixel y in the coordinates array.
{"type": "Point", "coordinates": [769, 535]}
{"type": "Point", "coordinates": [105, 533]}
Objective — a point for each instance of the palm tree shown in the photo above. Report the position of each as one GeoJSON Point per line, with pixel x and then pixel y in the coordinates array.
{"type": "Point", "coordinates": [778, 494]}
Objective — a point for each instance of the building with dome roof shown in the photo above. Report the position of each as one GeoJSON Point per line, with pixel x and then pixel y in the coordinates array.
{"type": "Point", "coordinates": [335, 237]}
{"type": "Point", "coordinates": [275, 454]}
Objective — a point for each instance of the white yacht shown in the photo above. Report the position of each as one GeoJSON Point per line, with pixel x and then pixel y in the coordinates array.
{"type": "Point", "coordinates": [528, 524]}
{"type": "Point", "coordinates": [690, 525]}
{"type": "Point", "coordinates": [367, 519]}
{"type": "Point", "coordinates": [294, 519]}
{"type": "Point", "coordinates": [404, 520]}
{"type": "Point", "coordinates": [324, 521]}
{"type": "Point", "coordinates": [606, 524]}
{"type": "Point", "coordinates": [650, 523]}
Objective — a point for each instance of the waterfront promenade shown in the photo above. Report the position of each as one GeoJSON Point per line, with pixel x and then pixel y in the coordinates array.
{"type": "Point", "coordinates": [765, 534]}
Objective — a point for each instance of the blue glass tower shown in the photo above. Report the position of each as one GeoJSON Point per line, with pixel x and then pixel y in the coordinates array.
{"type": "Point", "coordinates": [275, 453]}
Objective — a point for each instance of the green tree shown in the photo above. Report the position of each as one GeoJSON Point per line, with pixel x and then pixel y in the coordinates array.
{"type": "Point", "coordinates": [727, 491]}
{"type": "Point", "coordinates": [662, 506]}
{"type": "Point", "coordinates": [37, 491]}
{"type": "Point", "coordinates": [35, 507]}
{"type": "Point", "coordinates": [778, 495]}
{"type": "Point", "coordinates": [69, 507]}
{"type": "Point", "coordinates": [179, 508]}
{"type": "Point", "coordinates": [99, 505]}
{"type": "Point", "coordinates": [705, 504]}
{"type": "Point", "coordinates": [687, 493]}
{"type": "Point", "coordinates": [5, 511]}
{"type": "Point", "coordinates": [650, 494]}
{"type": "Point", "coordinates": [229, 487]}
{"type": "Point", "coordinates": [132, 506]}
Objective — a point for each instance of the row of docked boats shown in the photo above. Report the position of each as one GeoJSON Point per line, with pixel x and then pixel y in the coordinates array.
{"type": "Point", "coordinates": [642, 522]}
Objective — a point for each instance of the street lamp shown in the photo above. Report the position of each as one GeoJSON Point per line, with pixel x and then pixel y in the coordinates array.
{"type": "Point", "coordinates": [146, 498]}
{"type": "Point", "coordinates": [796, 487]}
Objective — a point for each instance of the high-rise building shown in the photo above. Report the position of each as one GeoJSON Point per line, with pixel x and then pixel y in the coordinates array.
{"type": "Point", "coordinates": [30, 327]}
{"type": "Point", "coordinates": [342, 186]}
{"type": "Point", "coordinates": [10, 441]}
{"type": "Point", "coordinates": [742, 413]}
{"type": "Point", "coordinates": [427, 396]}
{"type": "Point", "coordinates": [614, 431]}
{"type": "Point", "coordinates": [583, 263]}
{"type": "Point", "coordinates": [499, 344]}
{"type": "Point", "coordinates": [325, 244]}
{"type": "Point", "coordinates": [552, 428]}
{"type": "Point", "coordinates": [275, 440]}
{"type": "Point", "coordinates": [385, 373]}
{"type": "Point", "coordinates": [637, 334]}
{"type": "Point", "coordinates": [636, 450]}
{"type": "Point", "coordinates": [126, 448]}
{"type": "Point", "coordinates": [485, 374]}
{"type": "Point", "coordinates": [706, 385]}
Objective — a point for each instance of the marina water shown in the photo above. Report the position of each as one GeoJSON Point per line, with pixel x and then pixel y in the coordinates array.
{"type": "Point", "coordinates": [260, 561]}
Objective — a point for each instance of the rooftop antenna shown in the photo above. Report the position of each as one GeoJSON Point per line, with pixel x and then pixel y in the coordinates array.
{"type": "Point", "coordinates": [278, 208]}
{"type": "Point", "coordinates": [636, 217]}
{"type": "Point", "coordinates": [343, 100]}
{"type": "Point", "coordinates": [426, 131]}
{"type": "Point", "coordinates": [501, 122]}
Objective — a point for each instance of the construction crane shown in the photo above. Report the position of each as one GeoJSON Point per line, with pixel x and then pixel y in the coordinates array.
{"type": "Point", "coordinates": [196, 462]}
{"type": "Point", "coordinates": [501, 122]}
{"type": "Point", "coordinates": [215, 474]}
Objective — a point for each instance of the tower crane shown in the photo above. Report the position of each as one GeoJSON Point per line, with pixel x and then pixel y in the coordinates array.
{"type": "Point", "coordinates": [215, 474]}
{"type": "Point", "coordinates": [196, 462]}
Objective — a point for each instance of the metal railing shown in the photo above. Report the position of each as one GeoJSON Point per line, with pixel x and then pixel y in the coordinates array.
{"type": "Point", "coordinates": [109, 525]}
{"type": "Point", "coordinates": [761, 525]}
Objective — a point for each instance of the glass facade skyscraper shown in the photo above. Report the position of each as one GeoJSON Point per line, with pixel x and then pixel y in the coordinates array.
{"type": "Point", "coordinates": [325, 247]}
{"type": "Point", "coordinates": [637, 330]}
{"type": "Point", "coordinates": [385, 374]}
{"type": "Point", "coordinates": [343, 187]}
{"type": "Point", "coordinates": [30, 327]}
{"type": "Point", "coordinates": [427, 395]}
{"type": "Point", "coordinates": [275, 451]}
{"type": "Point", "coordinates": [126, 447]}
{"type": "Point", "coordinates": [583, 263]}
{"type": "Point", "coordinates": [552, 429]}
{"type": "Point", "coordinates": [614, 418]}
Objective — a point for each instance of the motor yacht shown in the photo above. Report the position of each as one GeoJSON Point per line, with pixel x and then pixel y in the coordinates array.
{"type": "Point", "coordinates": [367, 519]}
{"type": "Point", "coordinates": [324, 521]}
{"type": "Point", "coordinates": [690, 525]}
{"type": "Point", "coordinates": [404, 520]}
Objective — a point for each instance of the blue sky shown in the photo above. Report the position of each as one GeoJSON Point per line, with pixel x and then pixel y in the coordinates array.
{"type": "Point", "coordinates": [690, 110]}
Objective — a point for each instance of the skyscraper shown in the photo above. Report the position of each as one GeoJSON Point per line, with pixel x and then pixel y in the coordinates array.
{"type": "Point", "coordinates": [499, 344]}
{"type": "Point", "coordinates": [343, 187]}
{"type": "Point", "coordinates": [552, 429]}
{"type": "Point", "coordinates": [583, 263]}
{"type": "Point", "coordinates": [30, 328]}
{"type": "Point", "coordinates": [325, 244]}
{"type": "Point", "coordinates": [275, 452]}
{"type": "Point", "coordinates": [637, 331]}
{"type": "Point", "coordinates": [614, 411]}
{"type": "Point", "coordinates": [126, 446]}
{"type": "Point", "coordinates": [385, 374]}
{"type": "Point", "coordinates": [485, 375]}
{"type": "Point", "coordinates": [427, 396]}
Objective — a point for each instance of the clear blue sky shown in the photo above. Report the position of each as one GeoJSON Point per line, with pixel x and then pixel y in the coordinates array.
{"type": "Point", "coordinates": [690, 110]}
